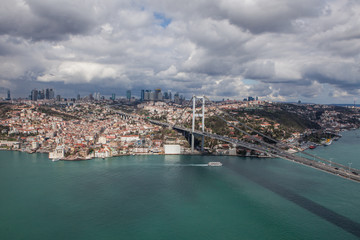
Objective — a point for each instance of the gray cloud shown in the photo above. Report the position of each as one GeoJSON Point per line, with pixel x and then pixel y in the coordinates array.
{"type": "Point", "coordinates": [46, 20]}
{"type": "Point", "coordinates": [287, 49]}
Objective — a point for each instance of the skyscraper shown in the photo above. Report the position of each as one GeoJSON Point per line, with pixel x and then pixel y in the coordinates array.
{"type": "Point", "coordinates": [34, 95]}
{"type": "Point", "coordinates": [96, 96]}
{"type": "Point", "coordinates": [8, 95]}
{"type": "Point", "coordinates": [128, 95]}
{"type": "Point", "coordinates": [177, 98]}
{"type": "Point", "coordinates": [41, 94]}
{"type": "Point", "coordinates": [158, 95]}
{"type": "Point", "coordinates": [47, 93]}
{"type": "Point", "coordinates": [51, 93]}
{"type": "Point", "coordinates": [147, 95]}
{"type": "Point", "coordinates": [142, 97]}
{"type": "Point", "coordinates": [166, 95]}
{"type": "Point", "coordinates": [113, 96]}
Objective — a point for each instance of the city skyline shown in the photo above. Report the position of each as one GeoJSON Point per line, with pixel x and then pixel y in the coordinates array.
{"type": "Point", "coordinates": [279, 50]}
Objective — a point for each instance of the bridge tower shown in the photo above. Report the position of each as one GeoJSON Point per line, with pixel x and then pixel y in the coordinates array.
{"type": "Point", "coordinates": [194, 115]}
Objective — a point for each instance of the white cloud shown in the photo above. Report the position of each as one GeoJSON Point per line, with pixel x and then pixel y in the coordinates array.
{"type": "Point", "coordinates": [290, 48]}
{"type": "Point", "coordinates": [80, 72]}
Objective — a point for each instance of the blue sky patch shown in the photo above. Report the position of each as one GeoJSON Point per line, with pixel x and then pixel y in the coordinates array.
{"type": "Point", "coordinates": [164, 22]}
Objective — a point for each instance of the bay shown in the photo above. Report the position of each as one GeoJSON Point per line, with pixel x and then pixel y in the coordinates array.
{"type": "Point", "coordinates": [178, 197]}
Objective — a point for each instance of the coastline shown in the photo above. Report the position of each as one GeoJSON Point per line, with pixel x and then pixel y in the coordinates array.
{"type": "Point", "coordinates": [79, 158]}
{"type": "Point", "coordinates": [90, 157]}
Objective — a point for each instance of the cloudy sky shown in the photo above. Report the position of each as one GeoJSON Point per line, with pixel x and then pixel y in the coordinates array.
{"type": "Point", "coordinates": [282, 50]}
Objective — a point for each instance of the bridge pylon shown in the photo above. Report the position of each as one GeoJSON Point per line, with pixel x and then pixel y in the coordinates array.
{"type": "Point", "coordinates": [194, 115]}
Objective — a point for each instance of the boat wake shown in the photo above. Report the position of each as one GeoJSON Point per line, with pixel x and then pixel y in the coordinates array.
{"type": "Point", "coordinates": [188, 165]}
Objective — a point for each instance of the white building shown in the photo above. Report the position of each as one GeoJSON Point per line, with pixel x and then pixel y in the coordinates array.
{"type": "Point", "coordinates": [59, 153]}
{"type": "Point", "coordinates": [130, 138]}
{"type": "Point", "coordinates": [172, 149]}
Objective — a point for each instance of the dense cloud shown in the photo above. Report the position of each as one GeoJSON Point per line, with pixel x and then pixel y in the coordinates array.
{"type": "Point", "coordinates": [277, 50]}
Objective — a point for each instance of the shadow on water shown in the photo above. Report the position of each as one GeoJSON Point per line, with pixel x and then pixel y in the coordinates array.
{"type": "Point", "coordinates": [315, 208]}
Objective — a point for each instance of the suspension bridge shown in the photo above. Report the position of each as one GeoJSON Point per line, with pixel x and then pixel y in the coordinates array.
{"type": "Point", "coordinates": [276, 150]}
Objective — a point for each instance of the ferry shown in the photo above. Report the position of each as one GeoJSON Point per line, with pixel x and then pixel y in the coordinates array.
{"type": "Point", "coordinates": [328, 142]}
{"type": "Point", "coordinates": [214, 164]}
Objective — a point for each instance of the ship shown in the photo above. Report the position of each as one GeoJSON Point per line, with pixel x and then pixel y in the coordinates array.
{"type": "Point", "coordinates": [312, 147]}
{"type": "Point", "coordinates": [328, 142]}
{"type": "Point", "coordinates": [214, 164]}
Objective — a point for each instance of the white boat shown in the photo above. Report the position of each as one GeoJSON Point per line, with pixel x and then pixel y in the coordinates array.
{"type": "Point", "coordinates": [55, 159]}
{"type": "Point", "coordinates": [215, 164]}
{"type": "Point", "coordinates": [328, 142]}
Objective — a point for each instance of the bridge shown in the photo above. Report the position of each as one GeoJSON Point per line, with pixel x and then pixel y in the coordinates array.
{"type": "Point", "coordinates": [276, 150]}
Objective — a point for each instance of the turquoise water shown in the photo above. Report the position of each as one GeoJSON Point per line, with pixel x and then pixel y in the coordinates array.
{"type": "Point", "coordinates": [178, 197]}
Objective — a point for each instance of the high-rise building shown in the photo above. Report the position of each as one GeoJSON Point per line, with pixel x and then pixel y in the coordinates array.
{"type": "Point", "coordinates": [128, 95]}
{"type": "Point", "coordinates": [158, 95]}
{"type": "Point", "coordinates": [177, 98]}
{"type": "Point", "coordinates": [152, 96]}
{"type": "Point", "coordinates": [166, 95]}
{"type": "Point", "coordinates": [58, 98]}
{"type": "Point", "coordinates": [113, 96]}
{"type": "Point", "coordinates": [96, 96]}
{"type": "Point", "coordinates": [51, 93]}
{"type": "Point", "coordinates": [78, 97]}
{"type": "Point", "coordinates": [34, 95]}
{"type": "Point", "coordinates": [41, 94]}
{"type": "Point", "coordinates": [8, 95]}
{"type": "Point", "coordinates": [147, 95]}
{"type": "Point", "coordinates": [47, 93]}
{"type": "Point", "coordinates": [142, 97]}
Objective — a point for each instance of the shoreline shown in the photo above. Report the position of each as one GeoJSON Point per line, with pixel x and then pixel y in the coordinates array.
{"type": "Point", "coordinates": [76, 158]}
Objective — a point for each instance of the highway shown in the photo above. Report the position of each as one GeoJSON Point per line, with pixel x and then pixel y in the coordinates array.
{"type": "Point", "coordinates": [270, 150]}
{"type": "Point", "coordinates": [337, 169]}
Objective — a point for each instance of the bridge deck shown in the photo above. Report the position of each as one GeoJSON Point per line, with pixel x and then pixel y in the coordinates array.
{"type": "Point", "coordinates": [339, 170]}
{"type": "Point", "coordinates": [342, 172]}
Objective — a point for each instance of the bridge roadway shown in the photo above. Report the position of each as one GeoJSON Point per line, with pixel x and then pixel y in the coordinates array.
{"type": "Point", "coordinates": [348, 173]}
{"type": "Point", "coordinates": [273, 152]}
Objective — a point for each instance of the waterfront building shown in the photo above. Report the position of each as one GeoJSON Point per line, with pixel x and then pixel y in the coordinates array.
{"type": "Point", "coordinates": [34, 145]}
{"type": "Point", "coordinates": [59, 153]}
{"type": "Point", "coordinates": [171, 149]}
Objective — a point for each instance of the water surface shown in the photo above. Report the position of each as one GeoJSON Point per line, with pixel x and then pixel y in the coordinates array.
{"type": "Point", "coordinates": [178, 197]}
